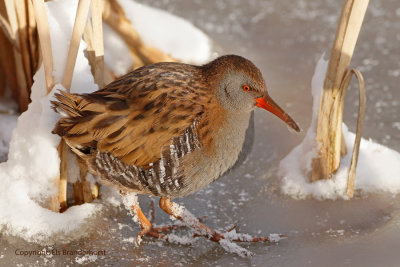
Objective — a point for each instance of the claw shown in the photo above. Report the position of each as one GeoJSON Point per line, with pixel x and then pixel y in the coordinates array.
{"type": "Point", "coordinates": [233, 227]}
{"type": "Point", "coordinates": [152, 217]}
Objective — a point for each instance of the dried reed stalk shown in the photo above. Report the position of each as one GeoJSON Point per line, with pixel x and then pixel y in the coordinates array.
{"type": "Point", "coordinates": [21, 14]}
{"type": "Point", "coordinates": [7, 64]}
{"type": "Point", "coordinates": [5, 26]}
{"type": "Point", "coordinates": [114, 16]}
{"type": "Point", "coordinates": [3, 80]}
{"type": "Point", "coordinates": [339, 101]}
{"type": "Point", "coordinates": [21, 91]}
{"type": "Point", "coordinates": [19, 55]}
{"type": "Point", "coordinates": [98, 44]}
{"type": "Point", "coordinates": [87, 191]}
{"type": "Point", "coordinates": [62, 187]}
{"type": "Point", "coordinates": [79, 25]}
{"type": "Point", "coordinates": [77, 31]}
{"type": "Point", "coordinates": [45, 42]}
{"type": "Point", "coordinates": [33, 37]}
{"type": "Point", "coordinates": [329, 129]}
{"type": "Point", "coordinates": [93, 36]}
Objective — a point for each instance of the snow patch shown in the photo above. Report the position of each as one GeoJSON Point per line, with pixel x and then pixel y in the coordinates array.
{"type": "Point", "coordinates": [180, 240]}
{"type": "Point", "coordinates": [234, 248]}
{"type": "Point", "coordinates": [169, 33]}
{"type": "Point", "coordinates": [130, 201]}
{"type": "Point", "coordinates": [86, 259]}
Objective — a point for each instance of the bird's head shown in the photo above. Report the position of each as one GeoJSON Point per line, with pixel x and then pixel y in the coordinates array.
{"type": "Point", "coordinates": [241, 87]}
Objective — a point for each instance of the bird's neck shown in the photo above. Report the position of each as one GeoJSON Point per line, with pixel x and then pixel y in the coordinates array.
{"type": "Point", "coordinates": [231, 136]}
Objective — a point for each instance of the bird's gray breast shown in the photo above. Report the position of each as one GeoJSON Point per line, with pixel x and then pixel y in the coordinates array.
{"type": "Point", "coordinates": [230, 147]}
{"type": "Point", "coordinates": [247, 144]}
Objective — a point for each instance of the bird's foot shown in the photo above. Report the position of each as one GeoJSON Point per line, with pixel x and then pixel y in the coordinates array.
{"type": "Point", "coordinates": [148, 225]}
{"type": "Point", "coordinates": [226, 239]}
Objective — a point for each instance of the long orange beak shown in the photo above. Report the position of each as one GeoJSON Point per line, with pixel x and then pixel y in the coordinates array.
{"type": "Point", "coordinates": [267, 103]}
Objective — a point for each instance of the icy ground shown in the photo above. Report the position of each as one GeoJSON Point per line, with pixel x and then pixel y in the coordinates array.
{"type": "Point", "coordinates": [285, 39]}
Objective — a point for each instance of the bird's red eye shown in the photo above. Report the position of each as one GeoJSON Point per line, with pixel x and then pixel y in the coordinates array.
{"type": "Point", "coordinates": [246, 88]}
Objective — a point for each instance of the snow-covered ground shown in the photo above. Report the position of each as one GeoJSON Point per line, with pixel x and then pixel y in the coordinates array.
{"type": "Point", "coordinates": [285, 39]}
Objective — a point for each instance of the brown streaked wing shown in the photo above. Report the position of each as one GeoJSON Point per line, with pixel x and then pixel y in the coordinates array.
{"type": "Point", "coordinates": [134, 117]}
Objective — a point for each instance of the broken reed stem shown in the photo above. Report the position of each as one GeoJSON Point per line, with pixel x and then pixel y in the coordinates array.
{"type": "Point", "coordinates": [33, 37]}
{"type": "Point", "coordinates": [77, 31]}
{"type": "Point", "coordinates": [3, 82]}
{"type": "Point", "coordinates": [114, 16]}
{"type": "Point", "coordinates": [5, 26]}
{"type": "Point", "coordinates": [21, 9]}
{"type": "Point", "coordinates": [22, 94]}
{"type": "Point", "coordinates": [98, 46]}
{"type": "Point", "coordinates": [360, 123]}
{"type": "Point", "coordinates": [12, 18]}
{"type": "Point", "coordinates": [7, 60]}
{"type": "Point", "coordinates": [45, 42]}
{"type": "Point", "coordinates": [329, 129]}
{"type": "Point", "coordinates": [62, 192]}
{"type": "Point", "coordinates": [79, 25]}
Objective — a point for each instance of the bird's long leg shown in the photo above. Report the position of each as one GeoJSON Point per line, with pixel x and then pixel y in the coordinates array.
{"type": "Point", "coordinates": [144, 223]}
{"type": "Point", "coordinates": [130, 200]}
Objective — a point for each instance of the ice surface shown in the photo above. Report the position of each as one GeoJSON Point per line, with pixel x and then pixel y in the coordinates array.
{"type": "Point", "coordinates": [378, 166]}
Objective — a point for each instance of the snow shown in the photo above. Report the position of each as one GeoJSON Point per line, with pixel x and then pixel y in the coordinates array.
{"type": "Point", "coordinates": [171, 34]}
{"type": "Point", "coordinates": [378, 168]}
{"type": "Point", "coordinates": [234, 248]}
{"type": "Point", "coordinates": [180, 240]}
{"type": "Point", "coordinates": [130, 200]}
{"type": "Point", "coordinates": [116, 58]}
{"type": "Point", "coordinates": [28, 177]}
{"type": "Point", "coordinates": [86, 259]}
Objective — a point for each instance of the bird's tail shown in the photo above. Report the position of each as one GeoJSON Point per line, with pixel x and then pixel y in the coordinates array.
{"type": "Point", "coordinates": [68, 106]}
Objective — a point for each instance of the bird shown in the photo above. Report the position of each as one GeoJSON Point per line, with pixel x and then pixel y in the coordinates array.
{"type": "Point", "coordinates": [167, 129]}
